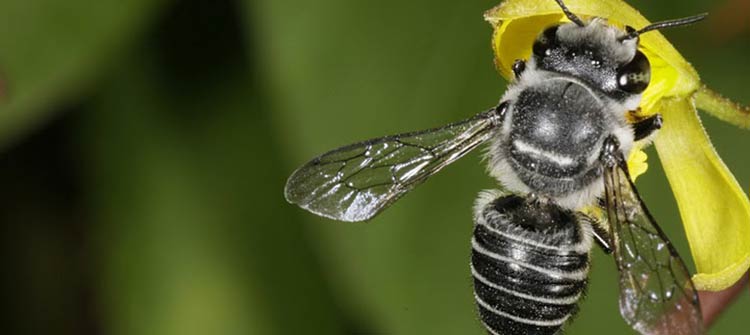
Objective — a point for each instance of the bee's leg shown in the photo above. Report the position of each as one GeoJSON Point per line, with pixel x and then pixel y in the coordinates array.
{"type": "Point", "coordinates": [602, 238]}
{"type": "Point", "coordinates": [518, 66]}
{"type": "Point", "coordinates": [644, 128]}
{"type": "Point", "coordinates": [601, 235]}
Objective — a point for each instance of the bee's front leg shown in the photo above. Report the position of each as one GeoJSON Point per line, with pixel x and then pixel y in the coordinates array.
{"type": "Point", "coordinates": [645, 127]}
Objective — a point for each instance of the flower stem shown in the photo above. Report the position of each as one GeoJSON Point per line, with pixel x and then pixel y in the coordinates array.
{"type": "Point", "coordinates": [722, 108]}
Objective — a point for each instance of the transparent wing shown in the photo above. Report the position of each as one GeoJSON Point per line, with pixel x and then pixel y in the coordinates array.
{"type": "Point", "coordinates": [358, 181]}
{"type": "Point", "coordinates": [656, 293]}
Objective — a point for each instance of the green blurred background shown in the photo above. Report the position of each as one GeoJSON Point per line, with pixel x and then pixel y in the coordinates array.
{"type": "Point", "coordinates": [145, 145]}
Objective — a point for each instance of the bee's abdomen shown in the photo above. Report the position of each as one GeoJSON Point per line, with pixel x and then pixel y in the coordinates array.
{"type": "Point", "coordinates": [530, 265]}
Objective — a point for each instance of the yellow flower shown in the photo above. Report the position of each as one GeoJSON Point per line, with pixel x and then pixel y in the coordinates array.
{"type": "Point", "coordinates": [714, 209]}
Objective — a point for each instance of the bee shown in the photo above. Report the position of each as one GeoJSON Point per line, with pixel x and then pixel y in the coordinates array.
{"type": "Point", "coordinates": [558, 142]}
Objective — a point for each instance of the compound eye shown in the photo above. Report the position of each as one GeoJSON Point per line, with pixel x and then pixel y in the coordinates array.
{"type": "Point", "coordinates": [546, 41]}
{"type": "Point", "coordinates": [635, 76]}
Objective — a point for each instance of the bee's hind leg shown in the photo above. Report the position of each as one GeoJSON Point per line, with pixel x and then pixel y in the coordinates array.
{"type": "Point", "coordinates": [601, 235]}
{"type": "Point", "coordinates": [602, 238]}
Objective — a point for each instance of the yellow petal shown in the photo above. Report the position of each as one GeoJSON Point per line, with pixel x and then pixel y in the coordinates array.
{"type": "Point", "coordinates": [714, 209]}
{"type": "Point", "coordinates": [518, 22]}
{"type": "Point", "coordinates": [637, 164]}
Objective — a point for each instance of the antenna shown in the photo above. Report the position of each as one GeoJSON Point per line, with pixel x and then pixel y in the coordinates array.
{"type": "Point", "coordinates": [664, 24]}
{"type": "Point", "coordinates": [569, 14]}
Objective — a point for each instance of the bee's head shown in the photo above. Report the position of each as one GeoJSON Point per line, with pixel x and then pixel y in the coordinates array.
{"type": "Point", "coordinates": [595, 52]}
{"type": "Point", "coordinates": [598, 52]}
